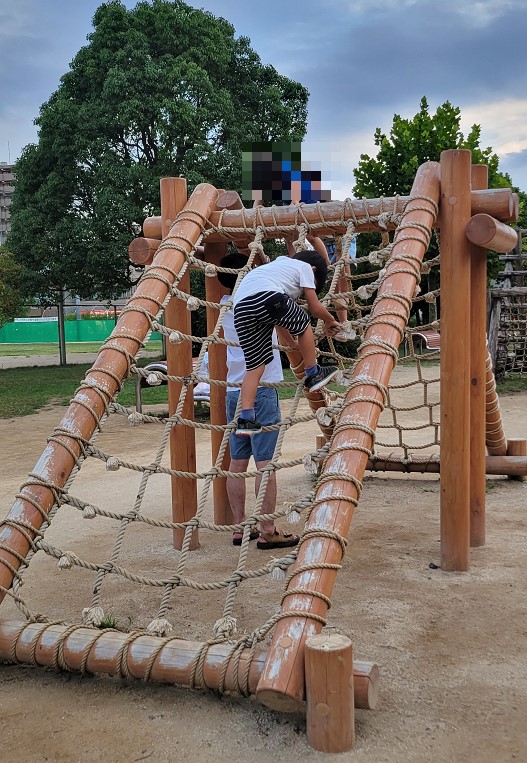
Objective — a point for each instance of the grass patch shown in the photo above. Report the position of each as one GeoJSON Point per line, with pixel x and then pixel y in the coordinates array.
{"type": "Point", "coordinates": [27, 390]}
{"type": "Point", "coordinates": [52, 348]}
{"type": "Point", "coordinates": [513, 384]}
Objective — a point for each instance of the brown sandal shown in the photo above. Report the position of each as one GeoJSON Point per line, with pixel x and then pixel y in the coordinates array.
{"type": "Point", "coordinates": [276, 540]}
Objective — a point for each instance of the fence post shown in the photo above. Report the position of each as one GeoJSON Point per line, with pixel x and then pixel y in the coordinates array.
{"type": "Point", "coordinates": [62, 330]}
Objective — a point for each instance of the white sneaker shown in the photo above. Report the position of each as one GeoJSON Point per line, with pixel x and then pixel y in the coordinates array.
{"type": "Point", "coordinates": [346, 333]}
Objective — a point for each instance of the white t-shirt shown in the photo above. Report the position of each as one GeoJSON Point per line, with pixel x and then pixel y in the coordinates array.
{"type": "Point", "coordinates": [284, 275]}
{"type": "Point", "coordinates": [236, 368]}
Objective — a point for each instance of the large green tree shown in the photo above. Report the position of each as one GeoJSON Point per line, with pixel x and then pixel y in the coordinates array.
{"type": "Point", "coordinates": [420, 139]}
{"type": "Point", "coordinates": [414, 141]}
{"type": "Point", "coordinates": [11, 297]}
{"type": "Point", "coordinates": [160, 90]}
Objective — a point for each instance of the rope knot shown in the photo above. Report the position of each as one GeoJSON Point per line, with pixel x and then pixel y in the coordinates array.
{"type": "Point", "coordinates": [211, 270]}
{"type": "Point", "coordinates": [225, 627]}
{"type": "Point", "coordinates": [176, 337]}
{"type": "Point", "coordinates": [193, 303]}
{"type": "Point", "coordinates": [93, 616]}
{"type": "Point", "coordinates": [135, 419]}
{"type": "Point", "coordinates": [160, 627]}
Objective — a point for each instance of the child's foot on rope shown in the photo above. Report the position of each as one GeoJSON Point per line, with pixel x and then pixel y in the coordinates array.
{"type": "Point", "coordinates": [248, 427]}
{"type": "Point", "coordinates": [323, 376]}
{"type": "Point", "coordinates": [346, 333]}
{"type": "Point", "coordinates": [268, 541]}
{"type": "Point", "coordinates": [237, 537]}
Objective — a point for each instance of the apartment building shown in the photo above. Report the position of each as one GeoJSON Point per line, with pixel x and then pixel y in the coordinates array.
{"type": "Point", "coordinates": [7, 185]}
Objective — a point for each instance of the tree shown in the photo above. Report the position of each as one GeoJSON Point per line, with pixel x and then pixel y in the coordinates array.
{"type": "Point", "coordinates": [412, 142]}
{"type": "Point", "coordinates": [11, 298]}
{"type": "Point", "coordinates": [160, 90]}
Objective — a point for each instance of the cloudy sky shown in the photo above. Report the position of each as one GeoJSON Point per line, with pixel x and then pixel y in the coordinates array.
{"type": "Point", "coordinates": [362, 61]}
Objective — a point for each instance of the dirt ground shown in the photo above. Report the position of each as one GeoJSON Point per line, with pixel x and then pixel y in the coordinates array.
{"type": "Point", "coordinates": [451, 647]}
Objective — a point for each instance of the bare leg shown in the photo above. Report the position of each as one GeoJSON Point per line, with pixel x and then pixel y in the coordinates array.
{"type": "Point", "coordinates": [269, 503]}
{"type": "Point", "coordinates": [236, 489]}
{"type": "Point", "coordinates": [250, 384]}
{"type": "Point", "coordinates": [306, 345]}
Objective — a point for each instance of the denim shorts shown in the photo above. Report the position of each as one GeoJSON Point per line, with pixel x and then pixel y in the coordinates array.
{"type": "Point", "coordinates": [267, 409]}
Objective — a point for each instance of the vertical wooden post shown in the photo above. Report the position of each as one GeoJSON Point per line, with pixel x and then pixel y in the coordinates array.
{"type": "Point", "coordinates": [179, 363]}
{"type": "Point", "coordinates": [478, 357]}
{"type": "Point", "coordinates": [218, 370]}
{"type": "Point", "coordinates": [455, 212]}
{"type": "Point", "coordinates": [330, 714]}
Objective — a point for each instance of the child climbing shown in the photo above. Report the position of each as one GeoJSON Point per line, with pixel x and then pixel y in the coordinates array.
{"type": "Point", "coordinates": [265, 300]}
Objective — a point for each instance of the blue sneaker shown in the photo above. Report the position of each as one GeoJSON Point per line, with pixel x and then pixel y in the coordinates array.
{"type": "Point", "coordinates": [248, 427]}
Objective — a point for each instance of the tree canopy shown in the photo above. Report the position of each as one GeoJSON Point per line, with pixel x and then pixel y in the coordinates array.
{"type": "Point", "coordinates": [412, 142]}
{"type": "Point", "coordinates": [11, 298]}
{"type": "Point", "coordinates": [160, 90]}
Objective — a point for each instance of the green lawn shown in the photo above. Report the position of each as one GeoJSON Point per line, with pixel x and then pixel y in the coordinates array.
{"type": "Point", "coordinates": [27, 390]}
{"type": "Point", "coordinates": [52, 348]}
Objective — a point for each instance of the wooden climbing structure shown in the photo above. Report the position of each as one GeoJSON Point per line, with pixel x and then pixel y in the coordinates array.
{"type": "Point", "coordinates": [451, 195]}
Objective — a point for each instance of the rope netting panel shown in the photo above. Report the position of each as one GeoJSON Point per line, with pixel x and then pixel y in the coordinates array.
{"type": "Point", "coordinates": [149, 591]}
{"type": "Point", "coordinates": [511, 355]}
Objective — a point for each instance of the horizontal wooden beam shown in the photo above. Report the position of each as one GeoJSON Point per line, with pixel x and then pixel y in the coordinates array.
{"type": "Point", "coordinates": [487, 232]}
{"type": "Point", "coordinates": [514, 291]}
{"type": "Point", "coordinates": [99, 652]}
{"type": "Point", "coordinates": [509, 466]}
{"type": "Point", "coordinates": [501, 203]}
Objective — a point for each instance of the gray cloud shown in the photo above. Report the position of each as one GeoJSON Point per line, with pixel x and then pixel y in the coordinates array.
{"type": "Point", "coordinates": [361, 61]}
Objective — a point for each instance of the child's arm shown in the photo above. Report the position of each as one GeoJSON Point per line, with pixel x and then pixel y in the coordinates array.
{"type": "Point", "coordinates": [316, 308]}
{"type": "Point", "coordinates": [319, 247]}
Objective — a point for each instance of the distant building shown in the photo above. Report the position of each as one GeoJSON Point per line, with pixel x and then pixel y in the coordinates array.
{"type": "Point", "coordinates": [7, 186]}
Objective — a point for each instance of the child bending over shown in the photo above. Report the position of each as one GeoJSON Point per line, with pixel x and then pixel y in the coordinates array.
{"type": "Point", "coordinates": [265, 300]}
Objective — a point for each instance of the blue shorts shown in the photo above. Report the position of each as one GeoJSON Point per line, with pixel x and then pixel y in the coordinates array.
{"type": "Point", "coordinates": [267, 409]}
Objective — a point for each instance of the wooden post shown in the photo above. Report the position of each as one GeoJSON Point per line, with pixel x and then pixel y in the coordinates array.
{"type": "Point", "coordinates": [218, 370]}
{"type": "Point", "coordinates": [330, 721]}
{"type": "Point", "coordinates": [455, 277]}
{"type": "Point", "coordinates": [517, 447]}
{"type": "Point", "coordinates": [179, 363]}
{"type": "Point", "coordinates": [478, 356]}
{"type": "Point", "coordinates": [282, 683]}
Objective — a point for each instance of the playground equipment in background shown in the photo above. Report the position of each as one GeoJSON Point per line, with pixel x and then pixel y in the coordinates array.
{"type": "Point", "coordinates": [300, 663]}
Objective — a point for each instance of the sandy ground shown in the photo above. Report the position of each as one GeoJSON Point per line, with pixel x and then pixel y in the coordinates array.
{"type": "Point", "coordinates": [451, 647]}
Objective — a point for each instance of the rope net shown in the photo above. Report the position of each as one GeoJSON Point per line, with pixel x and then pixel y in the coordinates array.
{"type": "Point", "coordinates": [117, 587]}
{"type": "Point", "coordinates": [511, 355]}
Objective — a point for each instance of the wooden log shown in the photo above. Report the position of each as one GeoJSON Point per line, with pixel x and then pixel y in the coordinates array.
{"type": "Point", "coordinates": [214, 291]}
{"type": "Point", "coordinates": [282, 682]}
{"type": "Point", "coordinates": [493, 328]}
{"type": "Point", "coordinates": [478, 356]}
{"type": "Point", "coordinates": [517, 448]}
{"type": "Point", "coordinates": [487, 232]}
{"type": "Point", "coordinates": [142, 250]}
{"type": "Point", "coordinates": [504, 465]}
{"type": "Point", "coordinates": [179, 363]}
{"type": "Point", "coordinates": [455, 360]}
{"type": "Point", "coordinates": [173, 661]}
{"type": "Point", "coordinates": [514, 291]}
{"type": "Point", "coordinates": [330, 714]}
{"type": "Point", "coordinates": [501, 203]}
{"type": "Point", "coordinates": [494, 434]}
{"type": "Point", "coordinates": [88, 406]}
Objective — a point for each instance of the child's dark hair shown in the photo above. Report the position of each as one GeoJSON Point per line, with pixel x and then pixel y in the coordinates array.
{"type": "Point", "coordinates": [320, 264]}
{"type": "Point", "coordinates": [235, 260]}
